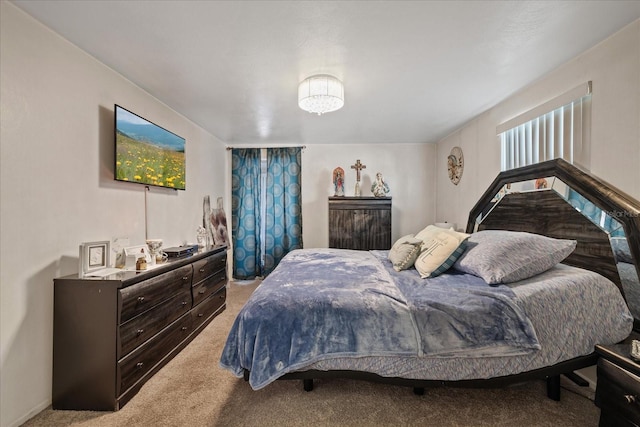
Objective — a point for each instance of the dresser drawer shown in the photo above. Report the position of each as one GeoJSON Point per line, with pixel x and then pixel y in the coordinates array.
{"type": "Point", "coordinates": [203, 311]}
{"type": "Point", "coordinates": [142, 296]}
{"type": "Point", "coordinates": [209, 286]}
{"type": "Point", "coordinates": [618, 391]}
{"type": "Point", "coordinates": [209, 266]}
{"type": "Point", "coordinates": [139, 329]}
{"type": "Point", "coordinates": [137, 364]}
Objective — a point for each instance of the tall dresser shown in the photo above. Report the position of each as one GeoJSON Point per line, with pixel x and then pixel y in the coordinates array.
{"type": "Point", "coordinates": [110, 335]}
{"type": "Point", "coordinates": [362, 223]}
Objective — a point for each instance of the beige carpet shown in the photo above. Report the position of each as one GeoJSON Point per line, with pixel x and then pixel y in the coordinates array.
{"type": "Point", "coordinates": [192, 390]}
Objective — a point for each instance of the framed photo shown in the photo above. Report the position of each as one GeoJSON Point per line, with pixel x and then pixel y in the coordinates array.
{"type": "Point", "coordinates": [94, 256]}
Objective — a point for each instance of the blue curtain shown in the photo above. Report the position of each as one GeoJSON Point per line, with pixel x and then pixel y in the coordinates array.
{"type": "Point", "coordinates": [245, 212]}
{"type": "Point", "coordinates": [283, 220]}
{"type": "Point", "coordinates": [266, 216]}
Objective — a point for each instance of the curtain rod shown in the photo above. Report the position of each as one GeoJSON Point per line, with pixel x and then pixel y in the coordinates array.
{"type": "Point", "coordinates": [291, 146]}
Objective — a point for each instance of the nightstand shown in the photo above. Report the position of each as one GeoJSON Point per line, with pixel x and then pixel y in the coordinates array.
{"type": "Point", "coordinates": [618, 389]}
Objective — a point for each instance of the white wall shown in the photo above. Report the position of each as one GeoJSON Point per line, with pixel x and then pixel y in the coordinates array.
{"type": "Point", "coordinates": [57, 189]}
{"type": "Point", "coordinates": [407, 168]}
{"type": "Point", "coordinates": [614, 68]}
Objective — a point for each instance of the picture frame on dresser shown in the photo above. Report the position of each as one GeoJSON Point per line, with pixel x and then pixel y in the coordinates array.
{"type": "Point", "coordinates": [94, 256]}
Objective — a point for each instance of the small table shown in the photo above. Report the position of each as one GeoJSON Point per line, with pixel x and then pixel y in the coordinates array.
{"type": "Point", "coordinates": [618, 389]}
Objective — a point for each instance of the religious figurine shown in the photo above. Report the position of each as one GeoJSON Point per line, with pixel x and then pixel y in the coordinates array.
{"type": "Point", "coordinates": [379, 188]}
{"type": "Point", "coordinates": [338, 181]}
{"type": "Point", "coordinates": [358, 167]}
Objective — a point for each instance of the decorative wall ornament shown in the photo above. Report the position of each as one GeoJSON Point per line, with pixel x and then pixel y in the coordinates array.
{"type": "Point", "coordinates": [379, 188]}
{"type": "Point", "coordinates": [455, 165]}
{"type": "Point", "coordinates": [338, 182]}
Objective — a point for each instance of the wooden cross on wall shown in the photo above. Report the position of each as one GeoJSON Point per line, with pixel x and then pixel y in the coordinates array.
{"type": "Point", "coordinates": [358, 167]}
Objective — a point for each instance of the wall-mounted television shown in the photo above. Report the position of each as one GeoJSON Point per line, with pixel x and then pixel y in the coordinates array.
{"type": "Point", "coordinates": [146, 153]}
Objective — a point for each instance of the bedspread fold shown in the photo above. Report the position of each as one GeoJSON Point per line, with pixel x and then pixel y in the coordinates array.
{"type": "Point", "coordinates": [325, 303]}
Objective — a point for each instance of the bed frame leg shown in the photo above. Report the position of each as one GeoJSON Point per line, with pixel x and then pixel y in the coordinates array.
{"type": "Point", "coordinates": [418, 391]}
{"type": "Point", "coordinates": [578, 380]}
{"type": "Point", "coordinates": [553, 387]}
{"type": "Point", "coordinates": [307, 384]}
{"type": "Point", "coordinates": [246, 374]}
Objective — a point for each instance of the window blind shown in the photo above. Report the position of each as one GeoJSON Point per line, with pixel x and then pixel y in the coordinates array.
{"type": "Point", "coordinates": [557, 129]}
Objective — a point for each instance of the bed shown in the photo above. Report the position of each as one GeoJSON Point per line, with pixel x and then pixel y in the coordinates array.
{"type": "Point", "coordinates": [485, 318]}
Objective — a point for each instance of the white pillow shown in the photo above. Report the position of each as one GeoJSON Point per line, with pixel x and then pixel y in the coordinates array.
{"type": "Point", "coordinates": [431, 230]}
{"type": "Point", "coordinates": [404, 252]}
{"type": "Point", "coordinates": [428, 232]}
{"type": "Point", "coordinates": [439, 251]}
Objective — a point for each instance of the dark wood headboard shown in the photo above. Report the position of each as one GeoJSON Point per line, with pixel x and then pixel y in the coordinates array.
{"type": "Point", "coordinates": [547, 212]}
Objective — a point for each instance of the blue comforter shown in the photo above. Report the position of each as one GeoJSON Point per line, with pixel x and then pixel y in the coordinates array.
{"type": "Point", "coordinates": [325, 303]}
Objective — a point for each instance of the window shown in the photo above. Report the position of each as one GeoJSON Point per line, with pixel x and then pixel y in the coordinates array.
{"type": "Point", "coordinates": [559, 128]}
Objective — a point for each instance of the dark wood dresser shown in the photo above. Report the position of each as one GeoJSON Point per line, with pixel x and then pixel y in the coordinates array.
{"type": "Point", "coordinates": [361, 223]}
{"type": "Point", "coordinates": [618, 389]}
{"type": "Point", "coordinates": [110, 335]}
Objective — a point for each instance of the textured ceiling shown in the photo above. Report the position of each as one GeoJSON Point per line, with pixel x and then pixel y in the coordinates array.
{"type": "Point", "coordinates": [413, 71]}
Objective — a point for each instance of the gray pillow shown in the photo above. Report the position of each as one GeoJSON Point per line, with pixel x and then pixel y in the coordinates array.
{"type": "Point", "coordinates": [500, 256]}
{"type": "Point", "coordinates": [404, 252]}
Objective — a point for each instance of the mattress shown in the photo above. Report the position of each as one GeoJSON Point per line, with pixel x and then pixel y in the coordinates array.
{"type": "Point", "coordinates": [552, 317]}
{"type": "Point", "coordinates": [571, 309]}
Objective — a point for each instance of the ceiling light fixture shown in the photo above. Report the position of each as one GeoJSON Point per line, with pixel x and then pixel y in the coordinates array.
{"type": "Point", "coordinates": [321, 94]}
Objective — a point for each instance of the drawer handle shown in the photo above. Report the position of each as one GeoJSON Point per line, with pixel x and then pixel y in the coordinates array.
{"type": "Point", "coordinates": [221, 297]}
{"type": "Point", "coordinates": [140, 299]}
{"type": "Point", "coordinates": [139, 365]}
{"type": "Point", "coordinates": [630, 398]}
{"type": "Point", "coordinates": [202, 291]}
{"type": "Point", "coordinates": [185, 278]}
{"type": "Point", "coordinates": [184, 328]}
{"type": "Point", "coordinates": [200, 314]}
{"type": "Point", "coordinates": [184, 303]}
{"type": "Point", "coordinates": [201, 270]}
{"type": "Point", "coordinates": [139, 332]}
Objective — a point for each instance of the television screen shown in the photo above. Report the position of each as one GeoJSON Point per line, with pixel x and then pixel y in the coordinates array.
{"type": "Point", "coordinates": [147, 153]}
